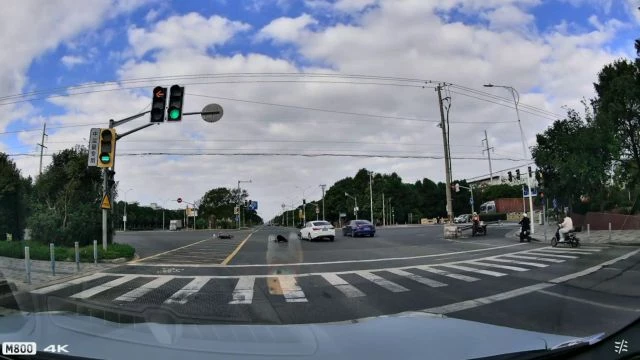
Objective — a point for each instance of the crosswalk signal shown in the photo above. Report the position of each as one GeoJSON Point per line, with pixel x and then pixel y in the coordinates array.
{"type": "Point", "coordinates": [107, 148]}
{"type": "Point", "coordinates": [176, 98]}
{"type": "Point", "coordinates": [158, 104]}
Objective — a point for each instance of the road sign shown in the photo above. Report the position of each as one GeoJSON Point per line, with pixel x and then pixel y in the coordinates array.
{"type": "Point", "coordinates": [525, 192]}
{"type": "Point", "coordinates": [317, 210]}
{"type": "Point", "coordinates": [179, 200]}
{"type": "Point", "coordinates": [343, 214]}
{"type": "Point", "coordinates": [212, 113]}
{"type": "Point", "coordinates": [555, 203]}
{"type": "Point", "coordinates": [106, 203]}
{"type": "Point", "coordinates": [124, 218]}
{"type": "Point", "coordinates": [94, 138]}
{"type": "Point", "coordinates": [236, 210]}
{"type": "Point", "coordinates": [471, 201]}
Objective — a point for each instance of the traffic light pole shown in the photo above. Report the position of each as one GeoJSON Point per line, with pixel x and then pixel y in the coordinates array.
{"type": "Point", "coordinates": [104, 211]}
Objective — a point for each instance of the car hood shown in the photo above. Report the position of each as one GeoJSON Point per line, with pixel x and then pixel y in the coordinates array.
{"type": "Point", "coordinates": [407, 335]}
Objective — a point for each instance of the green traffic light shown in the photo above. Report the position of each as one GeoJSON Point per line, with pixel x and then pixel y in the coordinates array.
{"type": "Point", "coordinates": [174, 114]}
{"type": "Point", "coordinates": [105, 158]}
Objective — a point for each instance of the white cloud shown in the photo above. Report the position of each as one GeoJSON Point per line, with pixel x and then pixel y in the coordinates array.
{"type": "Point", "coordinates": [286, 29]}
{"type": "Point", "coordinates": [71, 60]}
{"type": "Point", "coordinates": [191, 31]}
{"type": "Point", "coordinates": [509, 18]}
{"type": "Point", "coordinates": [353, 5]}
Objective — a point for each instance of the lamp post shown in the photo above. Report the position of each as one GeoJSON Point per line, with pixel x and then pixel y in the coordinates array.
{"type": "Point", "coordinates": [355, 209]}
{"type": "Point", "coordinates": [516, 101]}
{"type": "Point", "coordinates": [124, 226]}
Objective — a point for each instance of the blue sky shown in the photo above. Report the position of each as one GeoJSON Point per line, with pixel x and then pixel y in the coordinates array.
{"type": "Point", "coordinates": [349, 36]}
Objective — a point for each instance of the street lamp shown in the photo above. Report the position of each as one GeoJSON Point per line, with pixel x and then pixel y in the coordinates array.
{"type": "Point", "coordinates": [516, 101]}
{"type": "Point", "coordinates": [124, 228]}
{"type": "Point", "coordinates": [389, 215]}
{"type": "Point", "coordinates": [355, 209]}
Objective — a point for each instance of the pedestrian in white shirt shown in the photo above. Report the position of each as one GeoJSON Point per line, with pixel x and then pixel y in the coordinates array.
{"type": "Point", "coordinates": [565, 227]}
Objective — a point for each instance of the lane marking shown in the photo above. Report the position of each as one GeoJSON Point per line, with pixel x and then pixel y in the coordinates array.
{"type": "Point", "coordinates": [567, 251]}
{"type": "Point", "coordinates": [103, 287]}
{"type": "Point", "coordinates": [479, 271]}
{"type": "Point", "coordinates": [135, 262]}
{"type": "Point", "coordinates": [339, 283]}
{"type": "Point", "coordinates": [470, 304]}
{"type": "Point", "coordinates": [144, 289]}
{"type": "Point", "coordinates": [589, 302]}
{"type": "Point", "coordinates": [506, 267]}
{"type": "Point", "coordinates": [243, 292]}
{"type": "Point", "coordinates": [540, 258]}
{"type": "Point", "coordinates": [447, 274]}
{"type": "Point", "coordinates": [230, 257]}
{"type": "Point", "coordinates": [181, 296]}
{"type": "Point", "coordinates": [332, 262]}
{"type": "Point", "coordinates": [51, 288]}
{"type": "Point", "coordinates": [417, 278]}
{"type": "Point", "coordinates": [554, 255]}
{"type": "Point", "coordinates": [290, 289]}
{"type": "Point", "coordinates": [509, 261]}
{"type": "Point", "coordinates": [380, 281]}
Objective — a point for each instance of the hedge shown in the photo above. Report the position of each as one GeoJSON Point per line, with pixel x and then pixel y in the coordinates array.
{"type": "Point", "coordinates": [39, 251]}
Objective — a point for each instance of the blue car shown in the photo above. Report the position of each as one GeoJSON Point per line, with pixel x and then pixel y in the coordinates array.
{"type": "Point", "coordinates": [359, 228]}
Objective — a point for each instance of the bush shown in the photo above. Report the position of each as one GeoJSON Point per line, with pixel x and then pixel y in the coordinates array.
{"type": "Point", "coordinates": [493, 217]}
{"type": "Point", "coordinates": [39, 251]}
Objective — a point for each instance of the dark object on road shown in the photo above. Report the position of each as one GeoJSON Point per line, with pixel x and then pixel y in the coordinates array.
{"type": "Point", "coordinates": [281, 238]}
{"type": "Point", "coordinates": [479, 228]}
{"type": "Point", "coordinates": [525, 228]}
{"type": "Point", "coordinates": [225, 236]}
{"type": "Point", "coordinates": [571, 239]}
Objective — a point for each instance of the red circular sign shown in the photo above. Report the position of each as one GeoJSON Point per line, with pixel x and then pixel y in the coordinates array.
{"type": "Point", "coordinates": [179, 200]}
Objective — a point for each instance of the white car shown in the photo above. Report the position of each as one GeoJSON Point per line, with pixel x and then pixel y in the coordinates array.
{"type": "Point", "coordinates": [317, 229]}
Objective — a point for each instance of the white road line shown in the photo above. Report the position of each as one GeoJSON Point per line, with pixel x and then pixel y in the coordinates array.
{"type": "Point", "coordinates": [380, 281]}
{"type": "Point", "coordinates": [562, 251]}
{"type": "Point", "coordinates": [447, 274]}
{"type": "Point", "coordinates": [550, 254]}
{"type": "Point", "coordinates": [62, 285]}
{"type": "Point", "coordinates": [417, 278]}
{"type": "Point", "coordinates": [142, 290]}
{"type": "Point", "coordinates": [479, 271]}
{"type": "Point", "coordinates": [506, 267]}
{"type": "Point", "coordinates": [538, 258]}
{"type": "Point", "coordinates": [509, 261]}
{"type": "Point", "coordinates": [181, 296]}
{"type": "Point", "coordinates": [102, 288]}
{"type": "Point", "coordinates": [243, 292]}
{"type": "Point", "coordinates": [581, 248]}
{"type": "Point", "coordinates": [290, 289]}
{"type": "Point", "coordinates": [470, 304]}
{"type": "Point", "coordinates": [593, 268]}
{"type": "Point", "coordinates": [595, 303]}
{"type": "Point", "coordinates": [339, 283]}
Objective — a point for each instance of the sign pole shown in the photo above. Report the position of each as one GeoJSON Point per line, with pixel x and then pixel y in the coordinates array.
{"type": "Point", "coordinates": [104, 211]}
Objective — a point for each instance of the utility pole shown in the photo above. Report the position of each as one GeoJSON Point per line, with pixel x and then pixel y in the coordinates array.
{"type": "Point", "coordinates": [371, 194]}
{"type": "Point", "coordinates": [323, 216]}
{"type": "Point", "coordinates": [446, 155]}
{"type": "Point", "coordinates": [44, 128]}
{"type": "Point", "coordinates": [487, 149]}
{"type": "Point", "coordinates": [384, 218]}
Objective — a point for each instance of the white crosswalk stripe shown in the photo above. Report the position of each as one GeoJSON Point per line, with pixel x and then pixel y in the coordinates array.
{"type": "Point", "coordinates": [104, 287]}
{"type": "Point", "coordinates": [541, 253]}
{"type": "Point", "coordinates": [243, 292]}
{"type": "Point", "coordinates": [144, 289]}
{"type": "Point", "coordinates": [506, 267]}
{"type": "Point", "coordinates": [347, 289]}
{"type": "Point", "coordinates": [447, 274]}
{"type": "Point", "coordinates": [181, 296]}
{"type": "Point", "coordinates": [567, 251]}
{"type": "Point", "coordinates": [417, 278]}
{"type": "Point", "coordinates": [538, 258]}
{"type": "Point", "coordinates": [65, 284]}
{"type": "Point", "coordinates": [380, 281]}
{"type": "Point", "coordinates": [290, 289]}
{"type": "Point", "coordinates": [517, 262]}
{"type": "Point", "coordinates": [479, 271]}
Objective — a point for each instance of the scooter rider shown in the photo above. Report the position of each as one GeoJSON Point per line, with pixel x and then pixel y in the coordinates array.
{"type": "Point", "coordinates": [565, 227]}
{"type": "Point", "coordinates": [525, 223]}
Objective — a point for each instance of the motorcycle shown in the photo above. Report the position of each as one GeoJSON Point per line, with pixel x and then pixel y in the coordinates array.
{"type": "Point", "coordinates": [571, 238]}
{"type": "Point", "coordinates": [525, 235]}
{"type": "Point", "coordinates": [478, 228]}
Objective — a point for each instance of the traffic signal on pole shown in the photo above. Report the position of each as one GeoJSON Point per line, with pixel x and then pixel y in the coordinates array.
{"type": "Point", "coordinates": [510, 176]}
{"type": "Point", "coordinates": [529, 171]}
{"type": "Point", "coordinates": [158, 104]}
{"type": "Point", "coordinates": [107, 148]}
{"type": "Point", "coordinates": [304, 202]}
{"type": "Point", "coordinates": [517, 174]}
{"type": "Point", "coordinates": [110, 181]}
{"type": "Point", "coordinates": [176, 98]}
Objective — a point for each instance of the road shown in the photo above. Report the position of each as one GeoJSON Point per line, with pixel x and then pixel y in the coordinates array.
{"type": "Point", "coordinates": [191, 277]}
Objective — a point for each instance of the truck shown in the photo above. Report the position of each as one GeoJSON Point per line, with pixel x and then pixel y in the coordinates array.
{"type": "Point", "coordinates": [175, 225]}
{"type": "Point", "coordinates": [504, 205]}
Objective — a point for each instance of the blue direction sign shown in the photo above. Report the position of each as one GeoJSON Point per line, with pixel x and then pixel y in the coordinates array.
{"type": "Point", "coordinates": [525, 192]}
{"type": "Point", "coordinates": [254, 205]}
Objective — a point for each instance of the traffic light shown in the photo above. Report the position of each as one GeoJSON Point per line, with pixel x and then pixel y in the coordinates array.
{"type": "Point", "coordinates": [510, 176]}
{"type": "Point", "coordinates": [107, 148]}
{"type": "Point", "coordinates": [176, 96]}
{"type": "Point", "coordinates": [158, 104]}
{"type": "Point", "coordinates": [539, 178]}
{"type": "Point", "coordinates": [304, 202]}
{"type": "Point", "coordinates": [110, 181]}
{"type": "Point", "coordinates": [529, 171]}
{"type": "Point", "coordinates": [246, 203]}
{"type": "Point", "coordinates": [517, 174]}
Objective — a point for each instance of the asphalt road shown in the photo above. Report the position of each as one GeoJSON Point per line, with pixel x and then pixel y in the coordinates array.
{"type": "Point", "coordinates": [180, 277]}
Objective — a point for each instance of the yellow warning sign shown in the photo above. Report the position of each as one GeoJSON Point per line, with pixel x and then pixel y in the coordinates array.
{"type": "Point", "coordinates": [106, 204]}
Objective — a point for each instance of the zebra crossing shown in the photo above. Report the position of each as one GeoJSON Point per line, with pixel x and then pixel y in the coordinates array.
{"type": "Point", "coordinates": [181, 289]}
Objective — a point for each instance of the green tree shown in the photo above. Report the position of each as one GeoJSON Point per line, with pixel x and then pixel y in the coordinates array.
{"type": "Point", "coordinates": [14, 190]}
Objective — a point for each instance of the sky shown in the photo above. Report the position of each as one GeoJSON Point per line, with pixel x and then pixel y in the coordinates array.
{"type": "Point", "coordinates": [295, 77]}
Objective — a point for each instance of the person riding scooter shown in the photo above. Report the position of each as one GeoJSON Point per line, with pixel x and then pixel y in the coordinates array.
{"type": "Point", "coordinates": [565, 227]}
{"type": "Point", "coordinates": [525, 224]}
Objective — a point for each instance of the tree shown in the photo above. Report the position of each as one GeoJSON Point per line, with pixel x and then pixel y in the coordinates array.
{"type": "Point", "coordinates": [14, 190]}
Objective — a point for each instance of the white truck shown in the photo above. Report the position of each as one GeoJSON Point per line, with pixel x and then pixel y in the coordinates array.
{"type": "Point", "coordinates": [175, 225]}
